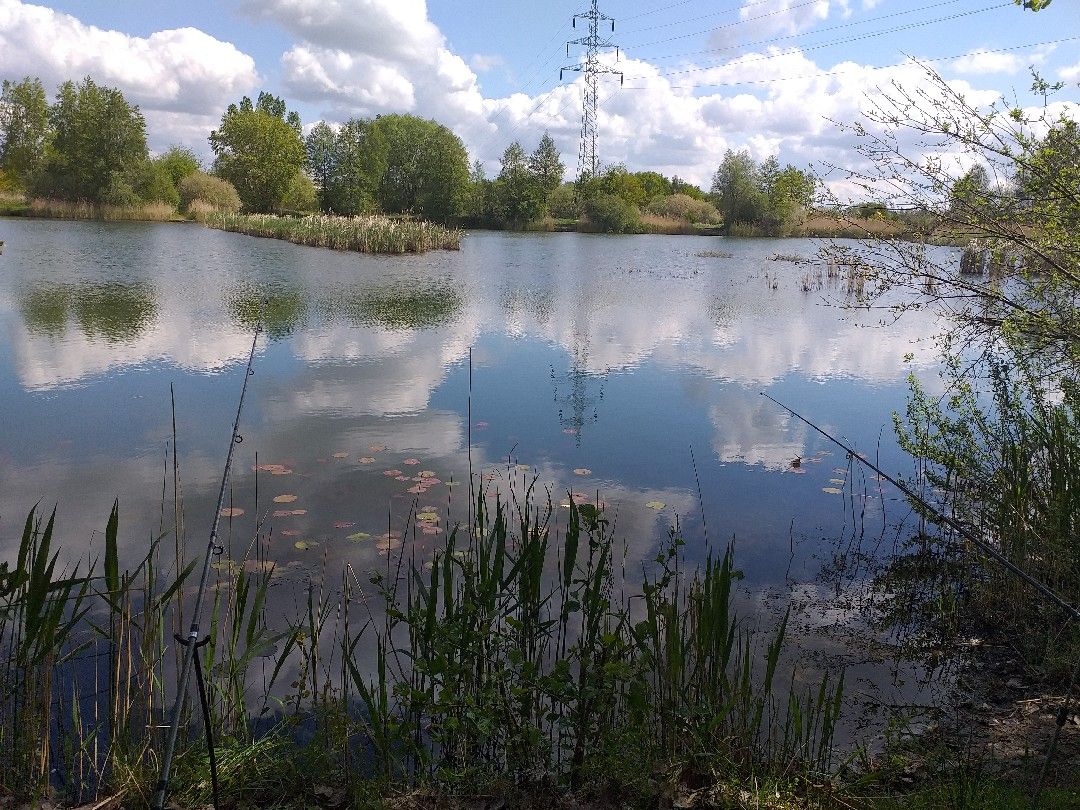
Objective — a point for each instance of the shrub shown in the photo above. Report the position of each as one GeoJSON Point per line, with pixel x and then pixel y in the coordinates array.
{"type": "Point", "coordinates": [612, 214]}
{"type": "Point", "coordinates": [563, 202]}
{"type": "Point", "coordinates": [208, 192]}
{"type": "Point", "coordinates": [301, 195]}
{"type": "Point", "coordinates": [685, 207]}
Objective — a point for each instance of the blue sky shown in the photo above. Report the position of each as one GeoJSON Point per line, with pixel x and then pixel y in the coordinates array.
{"type": "Point", "coordinates": [770, 76]}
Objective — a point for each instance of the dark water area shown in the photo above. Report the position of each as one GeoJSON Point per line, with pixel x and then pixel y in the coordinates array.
{"type": "Point", "coordinates": [626, 369]}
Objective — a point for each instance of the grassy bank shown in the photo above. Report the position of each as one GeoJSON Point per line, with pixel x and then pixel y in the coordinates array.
{"type": "Point", "coordinates": [365, 234]}
{"type": "Point", "coordinates": [61, 209]}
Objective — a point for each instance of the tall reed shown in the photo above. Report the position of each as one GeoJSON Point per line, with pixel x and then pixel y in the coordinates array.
{"type": "Point", "coordinates": [363, 234]}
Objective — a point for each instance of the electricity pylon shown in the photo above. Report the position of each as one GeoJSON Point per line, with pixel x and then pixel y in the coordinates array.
{"type": "Point", "coordinates": [588, 160]}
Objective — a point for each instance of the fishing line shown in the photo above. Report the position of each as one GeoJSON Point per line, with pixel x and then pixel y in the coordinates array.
{"type": "Point", "coordinates": [1071, 610]}
{"type": "Point", "coordinates": [212, 550]}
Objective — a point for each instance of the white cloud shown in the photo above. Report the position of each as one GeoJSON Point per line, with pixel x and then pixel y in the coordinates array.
{"type": "Point", "coordinates": [1070, 73]}
{"type": "Point", "coordinates": [981, 62]}
{"type": "Point", "coordinates": [482, 62]}
{"type": "Point", "coordinates": [182, 71]}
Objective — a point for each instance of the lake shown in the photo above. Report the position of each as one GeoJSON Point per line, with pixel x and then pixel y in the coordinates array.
{"type": "Point", "coordinates": [624, 369]}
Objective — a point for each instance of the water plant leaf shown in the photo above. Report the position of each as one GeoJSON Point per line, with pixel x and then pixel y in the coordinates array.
{"type": "Point", "coordinates": [232, 512]}
{"type": "Point", "coordinates": [281, 471]}
{"type": "Point", "coordinates": [289, 512]}
{"type": "Point", "coordinates": [657, 505]}
{"type": "Point", "coordinates": [291, 532]}
{"type": "Point", "coordinates": [284, 498]}
{"type": "Point", "coordinates": [356, 537]}
{"type": "Point", "coordinates": [417, 490]}
{"type": "Point", "coordinates": [376, 448]}
{"type": "Point", "coordinates": [304, 545]}
{"type": "Point", "coordinates": [837, 481]}
{"type": "Point", "coordinates": [428, 517]}
{"type": "Point", "coordinates": [427, 473]}
{"type": "Point", "coordinates": [582, 471]}
{"type": "Point", "coordinates": [343, 524]}
{"type": "Point", "coordinates": [832, 490]}
{"type": "Point", "coordinates": [391, 473]}
{"type": "Point", "coordinates": [341, 455]}
{"type": "Point", "coordinates": [367, 460]}
{"type": "Point", "coordinates": [412, 462]}
{"type": "Point", "coordinates": [429, 529]}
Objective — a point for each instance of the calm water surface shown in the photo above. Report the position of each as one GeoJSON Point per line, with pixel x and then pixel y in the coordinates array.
{"type": "Point", "coordinates": [624, 368]}
{"type": "Point", "coordinates": [629, 357]}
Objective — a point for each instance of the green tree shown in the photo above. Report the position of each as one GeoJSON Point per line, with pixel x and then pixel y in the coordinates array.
{"type": "Point", "coordinates": [519, 189]}
{"type": "Point", "coordinates": [789, 192]}
{"type": "Point", "coordinates": [24, 129]}
{"type": "Point", "coordinates": [259, 150]}
{"type": "Point", "coordinates": [179, 162]}
{"type": "Point", "coordinates": [319, 146]}
{"type": "Point", "coordinates": [546, 165]}
{"type": "Point", "coordinates": [98, 145]}
{"type": "Point", "coordinates": [969, 189]}
{"type": "Point", "coordinates": [359, 163]}
{"type": "Point", "coordinates": [654, 184]}
{"type": "Point", "coordinates": [427, 168]}
{"type": "Point", "coordinates": [736, 189]}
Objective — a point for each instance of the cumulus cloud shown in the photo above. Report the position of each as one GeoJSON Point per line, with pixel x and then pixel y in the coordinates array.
{"type": "Point", "coordinates": [981, 61]}
{"type": "Point", "coordinates": [178, 72]}
{"type": "Point", "coordinates": [1070, 73]}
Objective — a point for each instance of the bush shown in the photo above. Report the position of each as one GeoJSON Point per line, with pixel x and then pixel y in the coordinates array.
{"type": "Point", "coordinates": [201, 191]}
{"type": "Point", "coordinates": [685, 207]}
{"type": "Point", "coordinates": [612, 214]}
{"type": "Point", "coordinates": [563, 202]}
{"type": "Point", "coordinates": [154, 183]}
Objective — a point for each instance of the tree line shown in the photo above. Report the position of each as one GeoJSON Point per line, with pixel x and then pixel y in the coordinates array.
{"type": "Point", "coordinates": [90, 146]}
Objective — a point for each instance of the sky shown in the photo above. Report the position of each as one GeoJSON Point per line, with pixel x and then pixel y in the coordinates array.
{"type": "Point", "coordinates": [698, 78]}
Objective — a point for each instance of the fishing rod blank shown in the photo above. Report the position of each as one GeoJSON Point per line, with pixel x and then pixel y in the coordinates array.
{"type": "Point", "coordinates": [212, 549]}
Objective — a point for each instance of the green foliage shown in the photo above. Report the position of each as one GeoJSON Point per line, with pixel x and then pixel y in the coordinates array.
{"type": "Point", "coordinates": [351, 166]}
{"type": "Point", "coordinates": [179, 162]}
{"type": "Point", "coordinates": [654, 184]}
{"type": "Point", "coordinates": [97, 149]}
{"type": "Point", "coordinates": [519, 190]}
{"type": "Point", "coordinates": [203, 190]}
{"type": "Point", "coordinates": [610, 213]}
{"type": "Point", "coordinates": [686, 208]}
{"type": "Point", "coordinates": [563, 202]}
{"type": "Point", "coordinates": [760, 196]}
{"type": "Point", "coordinates": [152, 181]}
{"type": "Point", "coordinates": [301, 196]}
{"type": "Point", "coordinates": [427, 168]}
{"type": "Point", "coordinates": [545, 165]}
{"type": "Point", "coordinates": [24, 129]}
{"type": "Point", "coordinates": [364, 234]}
{"type": "Point", "coordinates": [259, 151]}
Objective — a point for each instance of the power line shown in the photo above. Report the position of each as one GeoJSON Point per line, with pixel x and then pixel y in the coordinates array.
{"type": "Point", "coordinates": [797, 35]}
{"type": "Point", "coordinates": [830, 73]}
{"type": "Point", "coordinates": [821, 45]}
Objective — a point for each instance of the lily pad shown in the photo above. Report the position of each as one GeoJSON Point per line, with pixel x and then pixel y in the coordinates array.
{"type": "Point", "coordinates": [356, 537]}
{"type": "Point", "coordinates": [284, 498]}
{"type": "Point", "coordinates": [429, 529]}
{"type": "Point", "coordinates": [304, 545]}
{"type": "Point", "coordinates": [367, 460]}
{"type": "Point", "coordinates": [427, 473]}
{"type": "Point", "coordinates": [341, 455]}
{"type": "Point", "coordinates": [837, 481]}
{"type": "Point", "coordinates": [428, 517]}
{"type": "Point", "coordinates": [376, 448]}
{"type": "Point", "coordinates": [832, 490]}
{"type": "Point", "coordinates": [391, 473]}
{"type": "Point", "coordinates": [289, 512]}
{"type": "Point", "coordinates": [343, 524]}
{"type": "Point", "coordinates": [657, 505]}
{"type": "Point", "coordinates": [412, 462]}
{"type": "Point", "coordinates": [231, 512]}
{"type": "Point", "coordinates": [582, 471]}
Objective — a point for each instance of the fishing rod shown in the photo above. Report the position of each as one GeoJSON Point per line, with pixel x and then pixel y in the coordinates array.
{"type": "Point", "coordinates": [1071, 610]}
{"type": "Point", "coordinates": [212, 549]}
{"type": "Point", "coordinates": [952, 523]}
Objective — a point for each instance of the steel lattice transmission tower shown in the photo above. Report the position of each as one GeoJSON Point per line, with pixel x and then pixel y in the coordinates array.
{"type": "Point", "coordinates": [588, 161]}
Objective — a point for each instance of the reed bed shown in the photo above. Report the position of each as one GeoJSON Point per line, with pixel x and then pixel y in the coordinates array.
{"type": "Point", "coordinates": [363, 234]}
{"type": "Point", "coordinates": [514, 658]}
{"type": "Point", "coordinates": [63, 209]}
